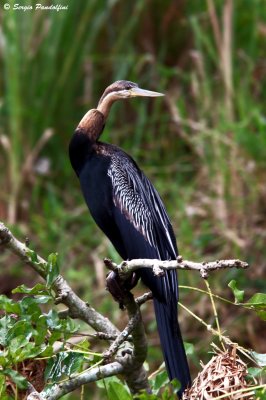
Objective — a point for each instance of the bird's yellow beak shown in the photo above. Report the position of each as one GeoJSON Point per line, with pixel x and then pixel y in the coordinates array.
{"type": "Point", "coordinates": [134, 92]}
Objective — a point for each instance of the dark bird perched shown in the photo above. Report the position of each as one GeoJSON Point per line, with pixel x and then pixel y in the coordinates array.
{"type": "Point", "coordinates": [128, 209]}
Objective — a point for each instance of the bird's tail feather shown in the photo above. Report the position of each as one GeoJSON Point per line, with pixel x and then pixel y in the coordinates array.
{"type": "Point", "coordinates": [172, 345]}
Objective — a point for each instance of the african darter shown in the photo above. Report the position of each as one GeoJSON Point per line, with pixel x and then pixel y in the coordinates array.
{"type": "Point", "coordinates": [130, 212]}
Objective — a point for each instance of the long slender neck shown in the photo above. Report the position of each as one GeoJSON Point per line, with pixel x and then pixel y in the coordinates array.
{"type": "Point", "coordinates": [85, 138]}
{"type": "Point", "coordinates": [91, 125]}
{"type": "Point", "coordinates": [106, 102]}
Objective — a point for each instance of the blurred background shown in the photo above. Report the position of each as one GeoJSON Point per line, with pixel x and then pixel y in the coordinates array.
{"type": "Point", "coordinates": [203, 145]}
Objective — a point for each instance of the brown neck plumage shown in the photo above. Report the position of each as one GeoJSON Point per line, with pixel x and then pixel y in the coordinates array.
{"type": "Point", "coordinates": [92, 124]}
{"type": "Point", "coordinates": [106, 102]}
{"type": "Point", "coordinates": [93, 121]}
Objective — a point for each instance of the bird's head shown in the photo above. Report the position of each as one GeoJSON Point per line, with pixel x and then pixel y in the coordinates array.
{"type": "Point", "coordinates": [122, 90]}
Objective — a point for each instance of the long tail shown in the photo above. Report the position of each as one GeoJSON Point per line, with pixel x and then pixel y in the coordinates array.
{"type": "Point", "coordinates": [172, 345]}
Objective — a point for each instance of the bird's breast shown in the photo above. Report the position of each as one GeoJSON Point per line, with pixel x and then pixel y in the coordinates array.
{"type": "Point", "coordinates": [96, 186]}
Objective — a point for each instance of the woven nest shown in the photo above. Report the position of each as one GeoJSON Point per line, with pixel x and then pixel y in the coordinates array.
{"type": "Point", "coordinates": [223, 375]}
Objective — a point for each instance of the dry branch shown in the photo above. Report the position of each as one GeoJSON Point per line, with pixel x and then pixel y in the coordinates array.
{"type": "Point", "coordinates": [158, 266]}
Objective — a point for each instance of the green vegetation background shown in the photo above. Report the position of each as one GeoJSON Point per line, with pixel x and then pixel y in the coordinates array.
{"type": "Point", "coordinates": [203, 145]}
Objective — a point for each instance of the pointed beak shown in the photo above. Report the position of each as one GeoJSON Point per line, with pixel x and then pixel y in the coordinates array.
{"type": "Point", "coordinates": [134, 92]}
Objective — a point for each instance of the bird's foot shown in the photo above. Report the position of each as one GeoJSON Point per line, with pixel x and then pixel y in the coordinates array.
{"type": "Point", "coordinates": [115, 286]}
{"type": "Point", "coordinates": [119, 288]}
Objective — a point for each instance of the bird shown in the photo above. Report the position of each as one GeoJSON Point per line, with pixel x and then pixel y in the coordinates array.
{"type": "Point", "coordinates": [128, 209]}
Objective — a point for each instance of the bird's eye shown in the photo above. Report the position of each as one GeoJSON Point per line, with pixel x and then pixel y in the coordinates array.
{"type": "Point", "coordinates": [128, 87]}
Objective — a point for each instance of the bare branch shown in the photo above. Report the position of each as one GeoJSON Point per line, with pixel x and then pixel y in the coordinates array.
{"type": "Point", "coordinates": [158, 266]}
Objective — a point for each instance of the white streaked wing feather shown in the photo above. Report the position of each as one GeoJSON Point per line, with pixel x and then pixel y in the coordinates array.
{"type": "Point", "coordinates": [140, 203]}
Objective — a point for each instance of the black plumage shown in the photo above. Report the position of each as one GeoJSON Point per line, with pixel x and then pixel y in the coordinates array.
{"type": "Point", "coordinates": [128, 209]}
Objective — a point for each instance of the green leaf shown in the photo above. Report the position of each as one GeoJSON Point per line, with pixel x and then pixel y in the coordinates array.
{"type": "Point", "coordinates": [73, 362]}
{"type": "Point", "coordinates": [117, 391]}
{"type": "Point", "coordinates": [40, 330]}
{"type": "Point", "coordinates": [9, 305]}
{"type": "Point", "coordinates": [64, 363]}
{"type": "Point", "coordinates": [47, 352]}
{"type": "Point", "coordinates": [3, 359]}
{"type": "Point", "coordinates": [239, 294]}
{"type": "Point", "coordinates": [258, 300]}
{"type": "Point", "coordinates": [261, 314]}
{"type": "Point", "coordinates": [2, 385]}
{"type": "Point", "coordinates": [256, 372]}
{"type": "Point", "coordinates": [54, 368]}
{"type": "Point", "coordinates": [31, 308]}
{"type": "Point", "coordinates": [17, 343]}
{"type": "Point", "coordinates": [52, 269]}
{"type": "Point", "coordinates": [259, 358]}
{"type": "Point", "coordinates": [38, 289]}
{"type": "Point", "coordinates": [146, 396]}
{"type": "Point", "coordinates": [20, 328]}
{"type": "Point", "coordinates": [53, 320]}
{"type": "Point", "coordinates": [18, 379]}
{"type": "Point", "coordinates": [30, 351]}
{"type": "Point", "coordinates": [258, 303]}
{"type": "Point", "coordinates": [5, 324]}
{"type": "Point", "coordinates": [190, 349]}
{"type": "Point", "coordinates": [260, 394]}
{"type": "Point", "coordinates": [32, 255]}
{"type": "Point", "coordinates": [103, 383]}
{"type": "Point", "coordinates": [161, 379]}
{"type": "Point", "coordinates": [176, 384]}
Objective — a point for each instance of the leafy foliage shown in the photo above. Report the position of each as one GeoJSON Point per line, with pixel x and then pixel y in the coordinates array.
{"type": "Point", "coordinates": [26, 332]}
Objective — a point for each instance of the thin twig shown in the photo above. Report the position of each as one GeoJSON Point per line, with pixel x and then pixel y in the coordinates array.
{"type": "Point", "coordinates": [215, 313]}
